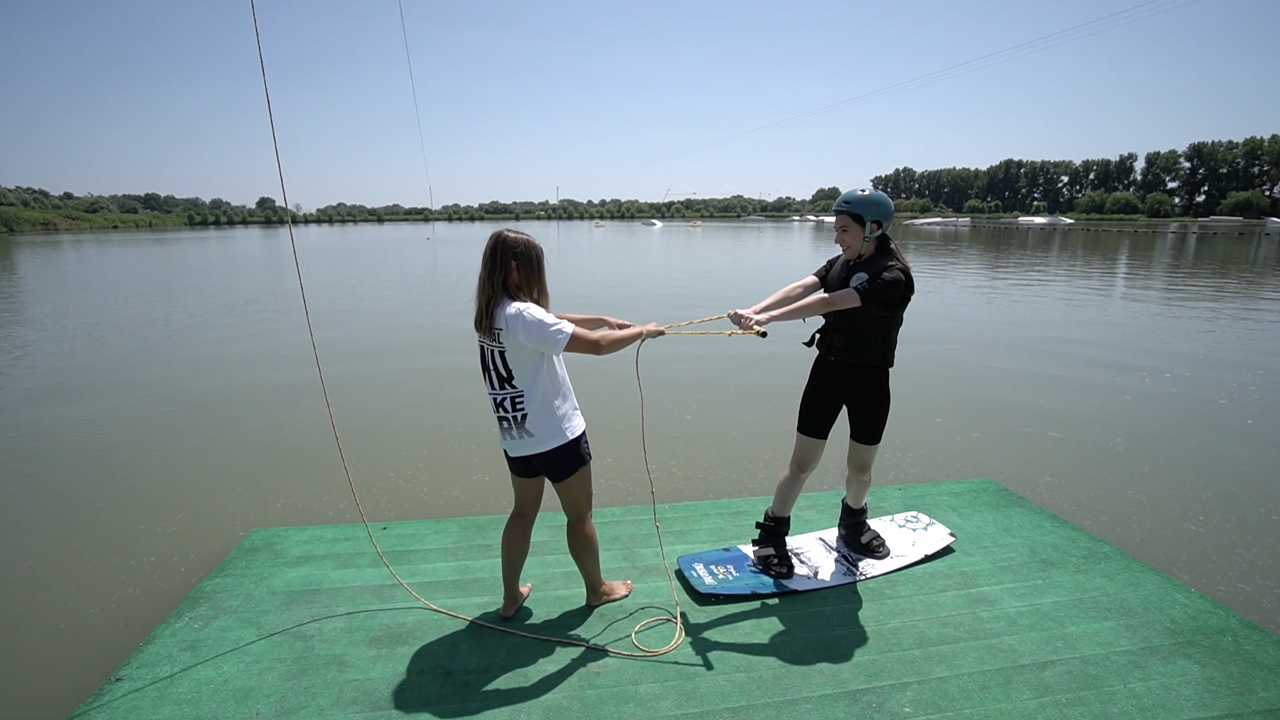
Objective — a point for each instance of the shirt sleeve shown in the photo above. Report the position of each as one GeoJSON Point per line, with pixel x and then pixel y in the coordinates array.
{"type": "Point", "coordinates": [885, 288]}
{"type": "Point", "coordinates": [539, 329]}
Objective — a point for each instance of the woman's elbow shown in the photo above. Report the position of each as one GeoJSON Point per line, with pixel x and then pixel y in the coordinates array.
{"type": "Point", "coordinates": [586, 344]}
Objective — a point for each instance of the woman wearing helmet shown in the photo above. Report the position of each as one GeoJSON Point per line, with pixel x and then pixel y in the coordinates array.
{"type": "Point", "coordinates": [861, 293]}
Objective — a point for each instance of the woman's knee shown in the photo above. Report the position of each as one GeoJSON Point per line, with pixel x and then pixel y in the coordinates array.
{"type": "Point", "coordinates": [525, 512]}
{"type": "Point", "coordinates": [575, 495]}
{"type": "Point", "coordinates": [802, 467]}
{"type": "Point", "coordinates": [526, 498]}
{"type": "Point", "coordinates": [860, 473]}
{"type": "Point", "coordinates": [860, 459]}
{"type": "Point", "coordinates": [578, 519]}
{"type": "Point", "coordinates": [805, 456]}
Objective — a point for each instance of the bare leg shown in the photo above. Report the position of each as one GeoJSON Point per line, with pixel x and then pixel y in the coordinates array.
{"type": "Point", "coordinates": [857, 481]}
{"type": "Point", "coordinates": [804, 459]}
{"type": "Point", "coordinates": [515, 542]}
{"type": "Point", "coordinates": [855, 532]}
{"type": "Point", "coordinates": [580, 533]}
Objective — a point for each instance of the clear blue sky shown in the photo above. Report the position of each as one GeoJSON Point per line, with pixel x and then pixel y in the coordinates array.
{"type": "Point", "coordinates": [517, 98]}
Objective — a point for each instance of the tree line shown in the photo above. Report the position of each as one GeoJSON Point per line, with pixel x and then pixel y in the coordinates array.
{"type": "Point", "coordinates": [1222, 177]}
{"type": "Point", "coordinates": [28, 208]}
{"type": "Point", "coordinates": [1226, 177]}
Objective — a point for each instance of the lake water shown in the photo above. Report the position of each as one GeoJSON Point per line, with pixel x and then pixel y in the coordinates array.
{"type": "Point", "coordinates": [158, 397]}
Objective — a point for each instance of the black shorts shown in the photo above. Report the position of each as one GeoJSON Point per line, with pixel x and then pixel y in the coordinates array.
{"type": "Point", "coordinates": [557, 464]}
{"type": "Point", "coordinates": [862, 390]}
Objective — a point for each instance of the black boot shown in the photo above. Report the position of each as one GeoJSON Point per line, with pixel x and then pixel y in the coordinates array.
{"type": "Point", "coordinates": [771, 555]}
{"type": "Point", "coordinates": [857, 534]}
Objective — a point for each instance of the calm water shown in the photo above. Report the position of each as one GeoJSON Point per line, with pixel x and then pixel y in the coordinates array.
{"type": "Point", "coordinates": [158, 398]}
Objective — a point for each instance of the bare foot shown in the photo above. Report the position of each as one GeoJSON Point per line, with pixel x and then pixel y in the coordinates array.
{"type": "Point", "coordinates": [510, 606]}
{"type": "Point", "coordinates": [611, 591]}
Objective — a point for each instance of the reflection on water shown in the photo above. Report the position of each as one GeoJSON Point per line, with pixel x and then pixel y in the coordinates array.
{"type": "Point", "coordinates": [1109, 254]}
{"type": "Point", "coordinates": [159, 396]}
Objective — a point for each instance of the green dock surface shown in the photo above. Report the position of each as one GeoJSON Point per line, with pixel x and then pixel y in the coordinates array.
{"type": "Point", "coordinates": [1025, 616]}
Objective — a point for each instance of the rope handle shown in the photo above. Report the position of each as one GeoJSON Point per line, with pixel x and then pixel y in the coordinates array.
{"type": "Point", "coordinates": [757, 331]}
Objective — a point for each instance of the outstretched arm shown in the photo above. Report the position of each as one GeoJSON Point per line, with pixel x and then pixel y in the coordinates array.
{"type": "Point", "coordinates": [595, 322]}
{"type": "Point", "coordinates": [606, 342]}
{"type": "Point", "coordinates": [808, 307]}
{"type": "Point", "coordinates": [785, 297]}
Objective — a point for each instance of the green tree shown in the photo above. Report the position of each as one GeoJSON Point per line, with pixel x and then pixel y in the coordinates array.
{"type": "Point", "coordinates": [1124, 173]}
{"type": "Point", "coordinates": [1161, 172]}
{"type": "Point", "coordinates": [152, 202]}
{"type": "Point", "coordinates": [1271, 173]}
{"type": "Point", "coordinates": [1158, 205]}
{"type": "Point", "coordinates": [823, 196]}
{"type": "Point", "coordinates": [1123, 203]}
{"type": "Point", "coordinates": [1093, 203]}
{"type": "Point", "coordinates": [94, 205]}
{"type": "Point", "coordinates": [1247, 204]}
{"type": "Point", "coordinates": [922, 206]}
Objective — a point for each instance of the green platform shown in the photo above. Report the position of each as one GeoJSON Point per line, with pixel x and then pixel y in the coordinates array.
{"type": "Point", "coordinates": [1026, 617]}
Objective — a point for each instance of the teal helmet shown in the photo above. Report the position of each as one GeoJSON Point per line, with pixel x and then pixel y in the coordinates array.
{"type": "Point", "coordinates": [870, 205]}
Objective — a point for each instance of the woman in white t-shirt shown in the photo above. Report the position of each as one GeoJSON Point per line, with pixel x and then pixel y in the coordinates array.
{"type": "Point", "coordinates": [540, 427]}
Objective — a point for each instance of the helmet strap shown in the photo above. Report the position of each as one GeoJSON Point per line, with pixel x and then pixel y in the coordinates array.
{"type": "Point", "coordinates": [867, 236]}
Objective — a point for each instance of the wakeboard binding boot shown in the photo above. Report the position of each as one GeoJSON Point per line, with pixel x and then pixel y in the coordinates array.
{"type": "Point", "coordinates": [858, 536]}
{"type": "Point", "coordinates": [771, 555]}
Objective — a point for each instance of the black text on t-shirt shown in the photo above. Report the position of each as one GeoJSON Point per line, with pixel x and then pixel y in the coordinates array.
{"type": "Point", "coordinates": [507, 399]}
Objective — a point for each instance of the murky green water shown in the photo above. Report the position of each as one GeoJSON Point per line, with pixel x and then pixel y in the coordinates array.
{"type": "Point", "coordinates": [158, 397]}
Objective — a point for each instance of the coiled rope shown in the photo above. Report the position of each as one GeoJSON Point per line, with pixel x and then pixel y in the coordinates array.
{"type": "Point", "coordinates": [674, 618]}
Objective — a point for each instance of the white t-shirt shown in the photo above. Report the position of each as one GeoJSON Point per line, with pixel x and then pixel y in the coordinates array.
{"type": "Point", "coordinates": [524, 374]}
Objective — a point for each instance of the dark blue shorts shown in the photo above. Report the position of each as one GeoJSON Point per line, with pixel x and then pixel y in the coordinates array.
{"type": "Point", "coordinates": [557, 464]}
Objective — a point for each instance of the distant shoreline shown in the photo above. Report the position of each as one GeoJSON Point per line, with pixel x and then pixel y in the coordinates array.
{"type": "Point", "coordinates": [1218, 177]}
{"type": "Point", "coordinates": [31, 221]}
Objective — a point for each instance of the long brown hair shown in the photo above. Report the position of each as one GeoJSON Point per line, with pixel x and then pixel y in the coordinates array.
{"type": "Point", "coordinates": [887, 246]}
{"type": "Point", "coordinates": [507, 246]}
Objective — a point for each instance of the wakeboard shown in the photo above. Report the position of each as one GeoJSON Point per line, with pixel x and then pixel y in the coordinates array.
{"type": "Point", "coordinates": [821, 560]}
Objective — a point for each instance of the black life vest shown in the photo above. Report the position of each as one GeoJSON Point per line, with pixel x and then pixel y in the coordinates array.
{"type": "Point", "coordinates": [867, 334]}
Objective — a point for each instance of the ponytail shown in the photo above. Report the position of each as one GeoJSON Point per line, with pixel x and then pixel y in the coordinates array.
{"type": "Point", "coordinates": [886, 246]}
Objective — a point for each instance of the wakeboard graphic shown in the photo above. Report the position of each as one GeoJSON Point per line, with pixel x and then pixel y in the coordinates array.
{"type": "Point", "coordinates": [820, 559]}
